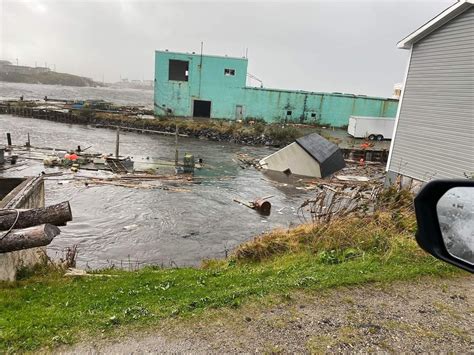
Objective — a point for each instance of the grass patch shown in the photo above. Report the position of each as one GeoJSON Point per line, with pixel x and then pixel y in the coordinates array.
{"type": "Point", "coordinates": [283, 134]}
{"type": "Point", "coordinates": [391, 227]}
{"type": "Point", "coordinates": [341, 240]}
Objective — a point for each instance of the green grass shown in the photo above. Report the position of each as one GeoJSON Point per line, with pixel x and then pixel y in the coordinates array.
{"type": "Point", "coordinates": [50, 309]}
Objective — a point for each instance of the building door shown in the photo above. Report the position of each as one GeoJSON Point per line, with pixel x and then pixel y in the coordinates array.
{"type": "Point", "coordinates": [202, 108]}
{"type": "Point", "coordinates": [239, 112]}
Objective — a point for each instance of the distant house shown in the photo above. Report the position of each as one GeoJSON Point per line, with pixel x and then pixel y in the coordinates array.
{"type": "Point", "coordinates": [311, 155]}
{"type": "Point", "coordinates": [434, 129]}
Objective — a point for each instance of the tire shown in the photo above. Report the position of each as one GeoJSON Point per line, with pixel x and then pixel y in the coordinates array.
{"type": "Point", "coordinates": [379, 137]}
{"type": "Point", "coordinates": [371, 137]}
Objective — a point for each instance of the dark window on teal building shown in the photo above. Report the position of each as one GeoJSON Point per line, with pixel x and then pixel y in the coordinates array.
{"type": "Point", "coordinates": [288, 113]}
{"type": "Point", "coordinates": [178, 70]}
{"type": "Point", "coordinates": [229, 72]}
{"type": "Point", "coordinates": [313, 115]}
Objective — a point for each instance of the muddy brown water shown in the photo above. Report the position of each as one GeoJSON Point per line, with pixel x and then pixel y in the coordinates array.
{"type": "Point", "coordinates": [134, 227]}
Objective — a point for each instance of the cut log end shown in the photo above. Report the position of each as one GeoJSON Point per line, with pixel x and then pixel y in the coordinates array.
{"type": "Point", "coordinates": [51, 231]}
{"type": "Point", "coordinates": [19, 239]}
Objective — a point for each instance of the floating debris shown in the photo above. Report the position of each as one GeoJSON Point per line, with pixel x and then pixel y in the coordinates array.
{"type": "Point", "coordinates": [260, 204]}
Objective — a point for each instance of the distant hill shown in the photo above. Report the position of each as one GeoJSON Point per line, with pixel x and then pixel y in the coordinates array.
{"type": "Point", "coordinates": [48, 78]}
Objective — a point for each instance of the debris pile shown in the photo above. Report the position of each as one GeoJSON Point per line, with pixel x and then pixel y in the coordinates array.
{"type": "Point", "coordinates": [344, 194]}
{"type": "Point", "coordinates": [245, 160]}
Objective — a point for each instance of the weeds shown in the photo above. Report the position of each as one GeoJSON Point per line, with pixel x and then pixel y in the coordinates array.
{"type": "Point", "coordinates": [392, 224]}
{"type": "Point", "coordinates": [353, 235]}
{"type": "Point", "coordinates": [283, 134]}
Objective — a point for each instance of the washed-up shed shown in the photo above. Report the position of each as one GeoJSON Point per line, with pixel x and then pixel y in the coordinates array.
{"type": "Point", "coordinates": [311, 155]}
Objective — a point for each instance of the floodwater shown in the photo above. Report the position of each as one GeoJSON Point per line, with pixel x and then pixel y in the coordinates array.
{"type": "Point", "coordinates": [122, 226]}
{"type": "Point", "coordinates": [134, 97]}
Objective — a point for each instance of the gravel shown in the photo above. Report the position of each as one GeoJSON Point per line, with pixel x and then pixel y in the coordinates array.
{"type": "Point", "coordinates": [425, 315]}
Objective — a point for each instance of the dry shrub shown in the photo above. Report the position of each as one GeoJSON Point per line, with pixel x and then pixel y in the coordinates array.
{"type": "Point", "coordinates": [377, 233]}
{"type": "Point", "coordinates": [283, 134]}
{"type": "Point", "coordinates": [392, 199]}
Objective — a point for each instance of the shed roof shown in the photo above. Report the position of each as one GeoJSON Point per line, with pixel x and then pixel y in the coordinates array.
{"type": "Point", "coordinates": [318, 147]}
{"type": "Point", "coordinates": [447, 15]}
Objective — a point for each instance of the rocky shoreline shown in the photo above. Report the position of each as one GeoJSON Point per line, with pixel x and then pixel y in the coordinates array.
{"type": "Point", "coordinates": [201, 133]}
{"type": "Point", "coordinates": [244, 133]}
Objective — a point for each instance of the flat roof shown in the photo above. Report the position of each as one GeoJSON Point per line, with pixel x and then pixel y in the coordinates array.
{"type": "Point", "coordinates": [198, 55]}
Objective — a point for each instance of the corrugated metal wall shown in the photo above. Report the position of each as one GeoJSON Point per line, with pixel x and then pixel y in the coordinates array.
{"type": "Point", "coordinates": [435, 133]}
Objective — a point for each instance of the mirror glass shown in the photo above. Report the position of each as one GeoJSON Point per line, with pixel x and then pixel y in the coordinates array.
{"type": "Point", "coordinates": [456, 218]}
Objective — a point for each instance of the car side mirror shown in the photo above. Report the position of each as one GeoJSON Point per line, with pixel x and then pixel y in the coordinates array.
{"type": "Point", "coordinates": [445, 215]}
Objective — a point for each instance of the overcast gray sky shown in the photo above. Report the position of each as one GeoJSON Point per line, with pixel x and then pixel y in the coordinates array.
{"type": "Point", "coordinates": [343, 46]}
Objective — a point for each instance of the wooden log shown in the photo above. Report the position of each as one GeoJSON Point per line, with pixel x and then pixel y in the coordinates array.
{"type": "Point", "coordinates": [19, 239]}
{"type": "Point", "coordinates": [57, 214]}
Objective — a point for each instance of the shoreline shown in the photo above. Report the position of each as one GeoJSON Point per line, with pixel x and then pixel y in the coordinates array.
{"type": "Point", "coordinates": [245, 133]}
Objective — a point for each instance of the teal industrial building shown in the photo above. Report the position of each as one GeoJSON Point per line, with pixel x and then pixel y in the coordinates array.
{"type": "Point", "coordinates": [194, 85]}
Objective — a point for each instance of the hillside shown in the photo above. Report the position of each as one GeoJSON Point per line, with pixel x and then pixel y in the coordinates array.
{"type": "Point", "coordinates": [49, 78]}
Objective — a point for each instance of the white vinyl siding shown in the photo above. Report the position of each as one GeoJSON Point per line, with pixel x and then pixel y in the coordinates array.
{"type": "Point", "coordinates": [435, 133]}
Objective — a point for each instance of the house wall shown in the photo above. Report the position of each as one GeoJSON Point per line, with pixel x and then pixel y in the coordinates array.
{"type": "Point", "coordinates": [208, 82]}
{"type": "Point", "coordinates": [28, 194]}
{"type": "Point", "coordinates": [292, 157]}
{"type": "Point", "coordinates": [435, 131]}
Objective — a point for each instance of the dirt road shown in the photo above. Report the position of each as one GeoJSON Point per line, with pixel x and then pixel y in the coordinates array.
{"type": "Point", "coordinates": [424, 315]}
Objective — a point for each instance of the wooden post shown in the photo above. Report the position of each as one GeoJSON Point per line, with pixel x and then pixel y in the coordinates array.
{"type": "Point", "coordinates": [117, 143]}
{"type": "Point", "coordinates": [33, 237]}
{"type": "Point", "coordinates": [176, 155]}
{"type": "Point", "coordinates": [28, 144]}
{"type": "Point", "coordinates": [9, 139]}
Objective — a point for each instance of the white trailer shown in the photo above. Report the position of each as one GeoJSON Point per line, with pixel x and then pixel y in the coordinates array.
{"type": "Point", "coordinates": [373, 128]}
